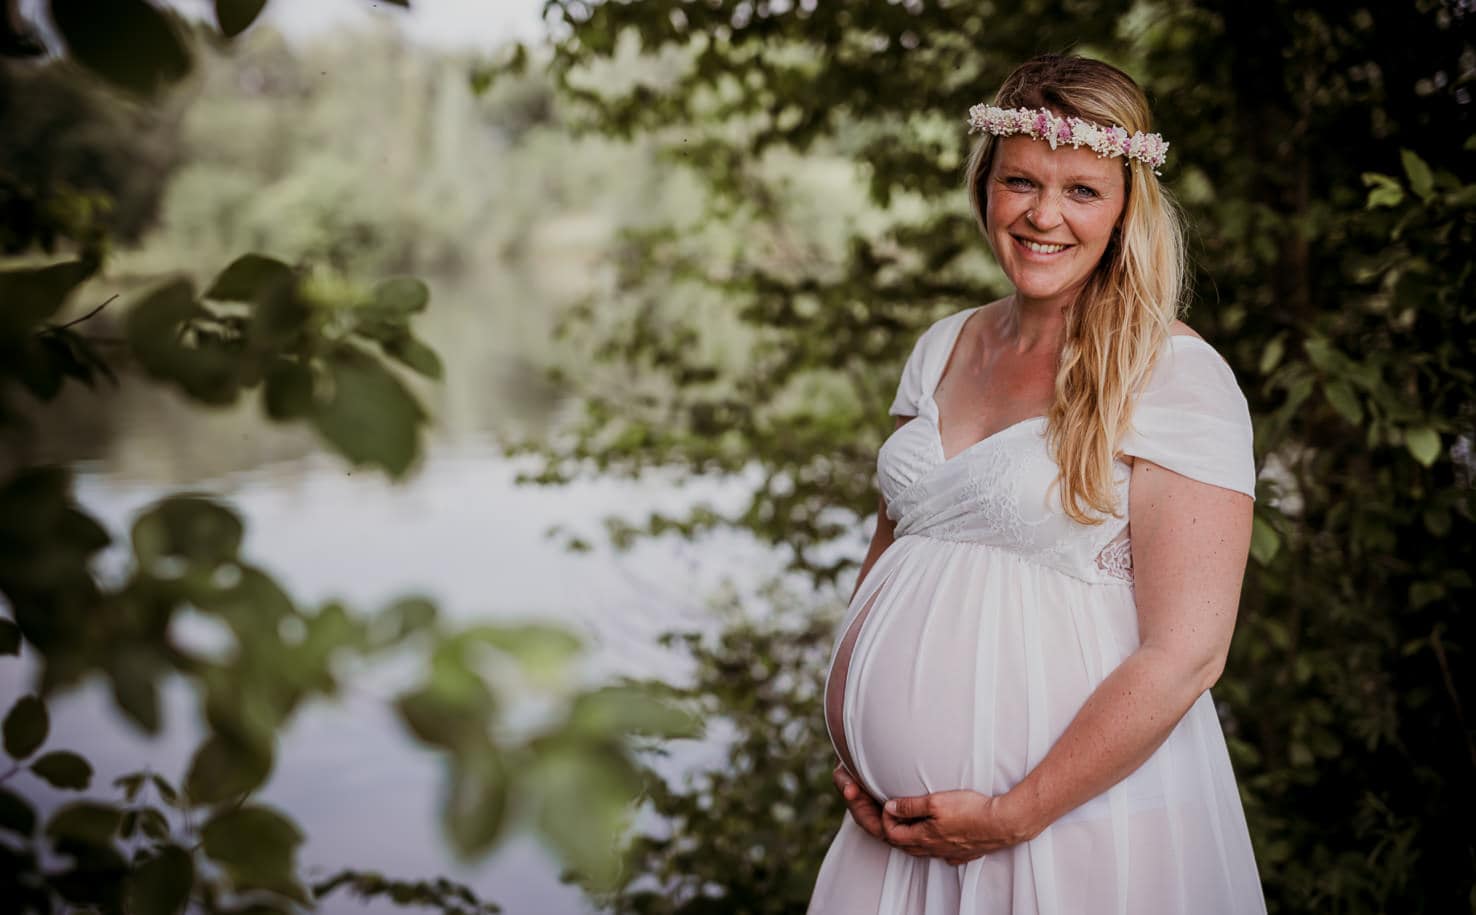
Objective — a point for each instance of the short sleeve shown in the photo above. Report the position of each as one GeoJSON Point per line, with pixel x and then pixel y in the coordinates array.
{"type": "Point", "coordinates": [911, 390]}
{"type": "Point", "coordinates": [1192, 418]}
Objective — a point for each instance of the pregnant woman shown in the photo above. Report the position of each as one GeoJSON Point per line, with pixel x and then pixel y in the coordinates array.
{"type": "Point", "coordinates": [1019, 694]}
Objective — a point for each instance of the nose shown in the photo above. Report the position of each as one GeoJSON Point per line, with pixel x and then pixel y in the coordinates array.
{"type": "Point", "coordinates": [1045, 215]}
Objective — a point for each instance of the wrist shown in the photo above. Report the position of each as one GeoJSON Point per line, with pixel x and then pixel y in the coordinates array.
{"type": "Point", "coordinates": [1023, 813]}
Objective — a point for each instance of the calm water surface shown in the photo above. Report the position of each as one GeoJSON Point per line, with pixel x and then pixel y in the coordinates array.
{"type": "Point", "coordinates": [464, 533]}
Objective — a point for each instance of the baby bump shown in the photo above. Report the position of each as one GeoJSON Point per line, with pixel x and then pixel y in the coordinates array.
{"type": "Point", "coordinates": [961, 679]}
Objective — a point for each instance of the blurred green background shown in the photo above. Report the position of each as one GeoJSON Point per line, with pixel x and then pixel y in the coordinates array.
{"type": "Point", "coordinates": [437, 439]}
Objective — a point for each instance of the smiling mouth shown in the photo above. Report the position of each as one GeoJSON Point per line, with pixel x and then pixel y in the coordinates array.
{"type": "Point", "coordinates": [1038, 248]}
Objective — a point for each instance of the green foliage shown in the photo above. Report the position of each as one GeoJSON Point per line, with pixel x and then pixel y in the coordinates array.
{"type": "Point", "coordinates": [746, 835]}
{"type": "Point", "coordinates": [323, 351]}
{"type": "Point", "coordinates": [1329, 177]}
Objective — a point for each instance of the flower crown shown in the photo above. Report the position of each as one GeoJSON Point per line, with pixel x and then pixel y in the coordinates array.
{"type": "Point", "coordinates": [1043, 124]}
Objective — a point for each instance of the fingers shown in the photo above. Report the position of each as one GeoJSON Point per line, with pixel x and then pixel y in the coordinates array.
{"type": "Point", "coordinates": [910, 808]}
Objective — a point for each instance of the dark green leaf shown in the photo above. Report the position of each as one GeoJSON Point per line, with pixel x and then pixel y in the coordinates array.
{"type": "Point", "coordinates": [476, 804]}
{"type": "Point", "coordinates": [371, 418]}
{"type": "Point", "coordinates": [64, 769]}
{"type": "Point", "coordinates": [127, 42]}
{"type": "Point", "coordinates": [415, 354]}
{"type": "Point", "coordinates": [257, 846]}
{"type": "Point", "coordinates": [401, 295]}
{"type": "Point", "coordinates": [10, 638]}
{"type": "Point", "coordinates": [223, 768]}
{"type": "Point", "coordinates": [162, 884]}
{"type": "Point", "coordinates": [236, 16]}
{"type": "Point", "coordinates": [289, 390]}
{"type": "Point", "coordinates": [16, 813]}
{"type": "Point", "coordinates": [26, 727]}
{"type": "Point", "coordinates": [249, 277]}
{"type": "Point", "coordinates": [156, 327]}
{"type": "Point", "coordinates": [30, 295]}
{"type": "Point", "coordinates": [196, 529]}
{"type": "Point", "coordinates": [85, 821]}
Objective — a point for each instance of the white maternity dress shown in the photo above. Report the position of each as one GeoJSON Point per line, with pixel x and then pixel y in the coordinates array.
{"type": "Point", "coordinates": [980, 632]}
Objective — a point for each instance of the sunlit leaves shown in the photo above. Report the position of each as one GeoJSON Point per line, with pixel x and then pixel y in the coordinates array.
{"type": "Point", "coordinates": [129, 43]}
{"type": "Point", "coordinates": [630, 709]}
{"type": "Point", "coordinates": [26, 727]}
{"type": "Point", "coordinates": [1421, 179]}
{"type": "Point", "coordinates": [1423, 443]}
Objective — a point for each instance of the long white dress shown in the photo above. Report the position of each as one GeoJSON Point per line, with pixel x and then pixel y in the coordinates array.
{"type": "Point", "coordinates": [980, 632]}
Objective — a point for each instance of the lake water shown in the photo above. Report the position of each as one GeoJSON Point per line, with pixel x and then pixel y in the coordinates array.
{"type": "Point", "coordinates": [463, 532]}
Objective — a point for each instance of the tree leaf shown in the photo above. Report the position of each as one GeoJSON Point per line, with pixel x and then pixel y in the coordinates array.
{"type": "Point", "coordinates": [222, 769]}
{"type": "Point", "coordinates": [409, 351]}
{"type": "Point", "coordinates": [1387, 192]}
{"type": "Point", "coordinates": [34, 294]}
{"type": "Point", "coordinates": [614, 712]}
{"type": "Point", "coordinates": [129, 43]}
{"type": "Point", "coordinates": [202, 369]}
{"type": "Point", "coordinates": [1265, 542]}
{"type": "Point", "coordinates": [584, 802]}
{"type": "Point", "coordinates": [257, 846]}
{"type": "Point", "coordinates": [10, 638]}
{"type": "Point", "coordinates": [236, 16]}
{"type": "Point", "coordinates": [162, 884]}
{"type": "Point", "coordinates": [371, 418]}
{"type": "Point", "coordinates": [64, 769]}
{"type": "Point", "coordinates": [288, 390]}
{"type": "Point", "coordinates": [1424, 443]}
{"type": "Point", "coordinates": [197, 529]}
{"type": "Point", "coordinates": [85, 821]}
{"type": "Point", "coordinates": [1421, 181]}
{"type": "Point", "coordinates": [400, 295]}
{"type": "Point", "coordinates": [1341, 396]}
{"type": "Point", "coordinates": [26, 727]}
{"type": "Point", "coordinates": [476, 801]}
{"type": "Point", "coordinates": [16, 813]}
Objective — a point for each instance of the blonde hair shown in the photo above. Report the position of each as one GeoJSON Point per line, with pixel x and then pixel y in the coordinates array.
{"type": "Point", "coordinates": [1123, 313]}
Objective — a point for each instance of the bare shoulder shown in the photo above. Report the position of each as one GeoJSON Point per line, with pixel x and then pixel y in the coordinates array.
{"type": "Point", "coordinates": [1180, 329]}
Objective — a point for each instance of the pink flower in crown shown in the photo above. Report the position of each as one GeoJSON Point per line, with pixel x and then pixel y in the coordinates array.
{"type": "Point", "coordinates": [1063, 130]}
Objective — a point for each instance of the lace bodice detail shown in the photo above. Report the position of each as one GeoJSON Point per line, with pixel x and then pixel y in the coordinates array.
{"type": "Point", "coordinates": [1191, 418]}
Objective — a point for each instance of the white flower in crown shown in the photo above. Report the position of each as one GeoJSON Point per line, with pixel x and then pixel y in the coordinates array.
{"type": "Point", "coordinates": [1043, 124]}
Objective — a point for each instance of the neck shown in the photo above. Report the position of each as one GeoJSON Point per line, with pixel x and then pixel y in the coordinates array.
{"type": "Point", "coordinates": [1030, 325]}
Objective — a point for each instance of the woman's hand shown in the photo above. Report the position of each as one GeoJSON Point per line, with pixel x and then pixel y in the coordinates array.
{"type": "Point", "coordinates": [957, 826]}
{"type": "Point", "coordinates": [864, 809]}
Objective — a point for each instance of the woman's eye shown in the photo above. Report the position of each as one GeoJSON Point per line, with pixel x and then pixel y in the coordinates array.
{"type": "Point", "coordinates": [1017, 182]}
{"type": "Point", "coordinates": [1081, 190]}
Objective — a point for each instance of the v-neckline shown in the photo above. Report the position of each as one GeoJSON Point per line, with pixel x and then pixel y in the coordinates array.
{"type": "Point", "coordinates": [937, 423]}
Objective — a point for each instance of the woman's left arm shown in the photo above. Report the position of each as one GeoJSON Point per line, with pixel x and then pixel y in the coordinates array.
{"type": "Point", "coordinates": [1190, 541]}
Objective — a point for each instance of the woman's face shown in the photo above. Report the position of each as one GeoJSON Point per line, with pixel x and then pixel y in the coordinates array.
{"type": "Point", "coordinates": [1050, 214]}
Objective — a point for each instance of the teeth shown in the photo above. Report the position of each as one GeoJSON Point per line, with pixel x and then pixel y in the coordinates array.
{"type": "Point", "coordinates": [1042, 249]}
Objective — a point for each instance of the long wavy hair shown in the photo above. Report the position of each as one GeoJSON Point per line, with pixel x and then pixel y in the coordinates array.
{"type": "Point", "coordinates": [1123, 313]}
